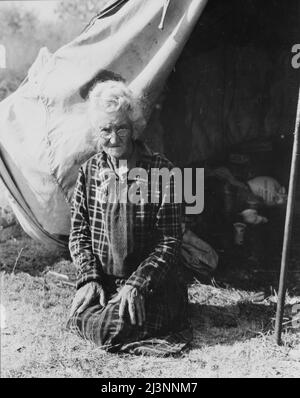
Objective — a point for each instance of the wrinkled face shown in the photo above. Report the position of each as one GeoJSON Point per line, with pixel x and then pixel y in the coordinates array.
{"type": "Point", "coordinates": [115, 133]}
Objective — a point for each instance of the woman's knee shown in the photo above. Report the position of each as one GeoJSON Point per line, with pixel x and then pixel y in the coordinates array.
{"type": "Point", "coordinates": [100, 325]}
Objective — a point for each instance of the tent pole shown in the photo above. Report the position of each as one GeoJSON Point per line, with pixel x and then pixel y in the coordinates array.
{"type": "Point", "coordinates": [288, 229]}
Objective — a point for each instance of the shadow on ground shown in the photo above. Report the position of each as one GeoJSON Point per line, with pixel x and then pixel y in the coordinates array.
{"type": "Point", "coordinates": [23, 254]}
{"type": "Point", "coordinates": [226, 325]}
{"type": "Point", "coordinates": [205, 316]}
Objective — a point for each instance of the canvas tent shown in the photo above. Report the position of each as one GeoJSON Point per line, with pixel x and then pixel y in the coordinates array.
{"type": "Point", "coordinates": [44, 131]}
{"type": "Point", "coordinates": [226, 89]}
{"type": "Point", "coordinates": [233, 82]}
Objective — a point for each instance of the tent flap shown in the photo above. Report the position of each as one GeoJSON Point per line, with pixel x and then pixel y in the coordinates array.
{"type": "Point", "coordinates": [41, 155]}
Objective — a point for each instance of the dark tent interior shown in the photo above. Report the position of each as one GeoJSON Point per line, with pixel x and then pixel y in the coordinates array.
{"type": "Point", "coordinates": [230, 106]}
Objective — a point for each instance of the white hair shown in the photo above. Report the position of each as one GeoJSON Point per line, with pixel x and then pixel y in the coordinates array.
{"type": "Point", "coordinates": [112, 97]}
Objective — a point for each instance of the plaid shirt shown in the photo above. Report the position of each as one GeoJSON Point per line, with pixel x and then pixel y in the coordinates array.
{"type": "Point", "coordinates": [156, 230]}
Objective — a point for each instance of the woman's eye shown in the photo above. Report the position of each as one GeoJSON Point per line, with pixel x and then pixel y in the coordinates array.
{"type": "Point", "coordinates": [104, 133]}
{"type": "Point", "coordinates": [122, 132]}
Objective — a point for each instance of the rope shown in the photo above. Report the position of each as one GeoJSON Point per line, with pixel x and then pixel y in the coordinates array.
{"type": "Point", "coordinates": [164, 13]}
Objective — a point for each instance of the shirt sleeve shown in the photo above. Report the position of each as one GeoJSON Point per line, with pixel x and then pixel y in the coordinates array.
{"type": "Point", "coordinates": [80, 241]}
{"type": "Point", "coordinates": [153, 271]}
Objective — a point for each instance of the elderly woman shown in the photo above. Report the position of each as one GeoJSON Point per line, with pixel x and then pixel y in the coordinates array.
{"type": "Point", "coordinates": [130, 296]}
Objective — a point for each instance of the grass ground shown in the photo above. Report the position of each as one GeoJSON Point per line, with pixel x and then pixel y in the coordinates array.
{"type": "Point", "coordinates": [233, 328]}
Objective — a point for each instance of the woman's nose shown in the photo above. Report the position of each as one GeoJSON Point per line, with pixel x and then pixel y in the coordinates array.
{"type": "Point", "coordinates": [114, 138]}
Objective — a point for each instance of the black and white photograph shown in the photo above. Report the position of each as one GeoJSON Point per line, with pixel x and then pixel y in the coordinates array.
{"type": "Point", "coordinates": [149, 191]}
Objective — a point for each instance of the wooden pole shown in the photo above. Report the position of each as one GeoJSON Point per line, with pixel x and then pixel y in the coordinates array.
{"type": "Point", "coordinates": [288, 228]}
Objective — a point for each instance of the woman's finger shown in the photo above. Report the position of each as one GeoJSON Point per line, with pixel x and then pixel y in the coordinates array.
{"type": "Point", "coordinates": [84, 306]}
{"type": "Point", "coordinates": [76, 304]}
{"type": "Point", "coordinates": [115, 299]}
{"type": "Point", "coordinates": [102, 299]}
{"type": "Point", "coordinates": [139, 311]}
{"type": "Point", "coordinates": [143, 309]}
{"type": "Point", "coordinates": [131, 309]}
{"type": "Point", "coordinates": [122, 307]}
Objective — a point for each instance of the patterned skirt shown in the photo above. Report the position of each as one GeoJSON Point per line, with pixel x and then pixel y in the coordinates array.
{"type": "Point", "coordinates": [166, 330]}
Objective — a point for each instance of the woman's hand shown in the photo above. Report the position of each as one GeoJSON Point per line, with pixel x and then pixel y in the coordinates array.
{"type": "Point", "coordinates": [134, 301]}
{"type": "Point", "coordinates": [86, 295]}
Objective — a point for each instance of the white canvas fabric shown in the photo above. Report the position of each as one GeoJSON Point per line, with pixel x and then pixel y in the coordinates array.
{"type": "Point", "coordinates": [44, 130]}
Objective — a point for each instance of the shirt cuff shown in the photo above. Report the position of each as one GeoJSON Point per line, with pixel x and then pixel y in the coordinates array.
{"type": "Point", "coordinates": [142, 284]}
{"type": "Point", "coordinates": [86, 278]}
